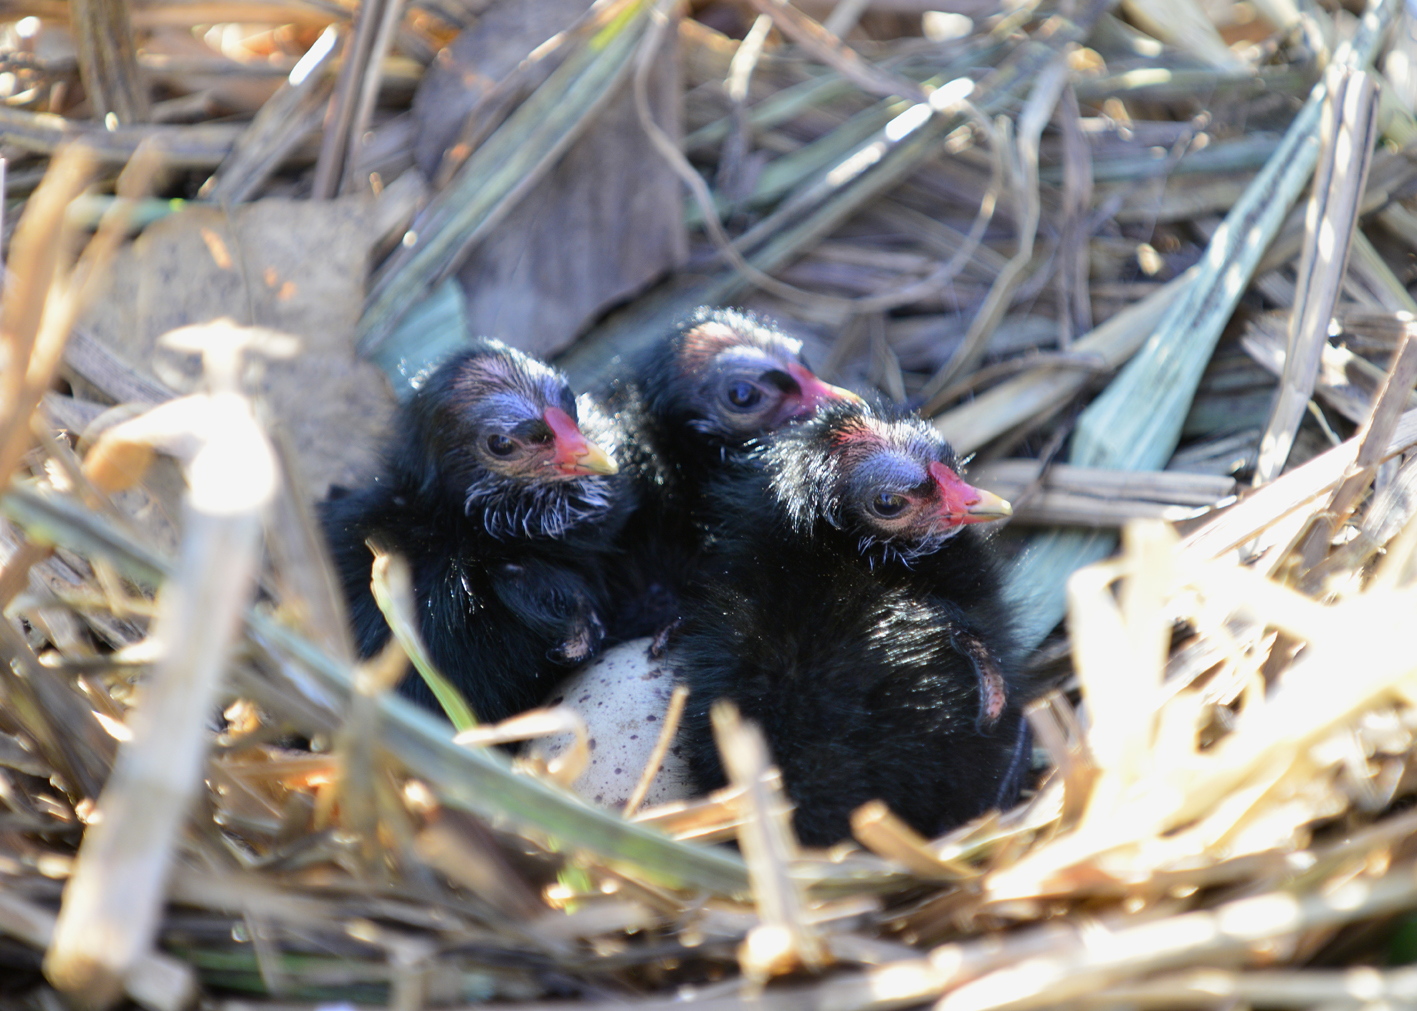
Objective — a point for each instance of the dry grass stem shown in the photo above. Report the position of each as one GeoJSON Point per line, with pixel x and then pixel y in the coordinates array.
{"type": "Point", "coordinates": [286, 119]}
{"type": "Point", "coordinates": [114, 899]}
{"type": "Point", "coordinates": [1349, 121]}
{"type": "Point", "coordinates": [784, 940]}
{"type": "Point", "coordinates": [108, 60]}
{"type": "Point", "coordinates": [829, 49]}
{"type": "Point", "coordinates": [667, 731]}
{"type": "Point", "coordinates": [1023, 164]}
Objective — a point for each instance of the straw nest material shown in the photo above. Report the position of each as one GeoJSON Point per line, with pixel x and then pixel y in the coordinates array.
{"type": "Point", "coordinates": [1150, 263]}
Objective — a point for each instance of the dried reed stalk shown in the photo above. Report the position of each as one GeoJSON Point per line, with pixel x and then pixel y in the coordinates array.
{"type": "Point", "coordinates": [286, 119]}
{"type": "Point", "coordinates": [1346, 135]}
{"type": "Point", "coordinates": [108, 60]}
{"type": "Point", "coordinates": [114, 899]}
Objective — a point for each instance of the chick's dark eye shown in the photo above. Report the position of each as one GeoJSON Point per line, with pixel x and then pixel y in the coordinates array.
{"type": "Point", "coordinates": [743, 394]}
{"type": "Point", "coordinates": [500, 445]}
{"type": "Point", "coordinates": [887, 505]}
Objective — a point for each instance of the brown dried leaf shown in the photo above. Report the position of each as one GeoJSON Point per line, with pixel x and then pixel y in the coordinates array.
{"type": "Point", "coordinates": [296, 267]}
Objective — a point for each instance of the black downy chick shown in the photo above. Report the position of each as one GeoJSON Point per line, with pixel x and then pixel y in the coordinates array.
{"type": "Point", "coordinates": [504, 508]}
{"type": "Point", "coordinates": [695, 402]}
{"type": "Point", "coordinates": [856, 618]}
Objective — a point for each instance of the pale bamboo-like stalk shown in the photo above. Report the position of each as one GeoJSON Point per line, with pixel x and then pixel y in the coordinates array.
{"type": "Point", "coordinates": [784, 940]}
{"type": "Point", "coordinates": [1349, 122]}
{"type": "Point", "coordinates": [114, 899]}
{"type": "Point", "coordinates": [1120, 650]}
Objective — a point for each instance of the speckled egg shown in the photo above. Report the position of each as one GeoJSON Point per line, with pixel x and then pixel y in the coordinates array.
{"type": "Point", "coordinates": [622, 696]}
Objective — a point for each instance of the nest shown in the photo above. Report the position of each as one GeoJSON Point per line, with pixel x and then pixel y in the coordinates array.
{"type": "Point", "coordinates": [1126, 263]}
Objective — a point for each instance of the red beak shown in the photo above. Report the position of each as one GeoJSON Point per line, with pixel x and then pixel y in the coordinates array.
{"type": "Point", "coordinates": [575, 455]}
{"type": "Point", "coordinates": [964, 503]}
{"type": "Point", "coordinates": [814, 391]}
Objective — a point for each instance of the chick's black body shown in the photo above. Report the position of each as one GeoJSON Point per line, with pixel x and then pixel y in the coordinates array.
{"type": "Point", "coordinates": [504, 528]}
{"type": "Point", "coordinates": [878, 666]}
{"type": "Point", "coordinates": [692, 405]}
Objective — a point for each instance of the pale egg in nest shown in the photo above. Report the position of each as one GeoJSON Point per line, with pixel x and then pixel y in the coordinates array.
{"type": "Point", "coordinates": [622, 695]}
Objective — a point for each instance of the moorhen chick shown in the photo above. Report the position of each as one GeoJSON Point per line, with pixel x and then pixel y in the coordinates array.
{"type": "Point", "coordinates": [693, 403]}
{"type": "Point", "coordinates": [498, 486]}
{"type": "Point", "coordinates": [856, 616]}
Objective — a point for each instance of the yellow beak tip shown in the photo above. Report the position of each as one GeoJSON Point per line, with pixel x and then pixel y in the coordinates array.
{"type": "Point", "coordinates": [991, 507]}
{"type": "Point", "coordinates": [598, 461]}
